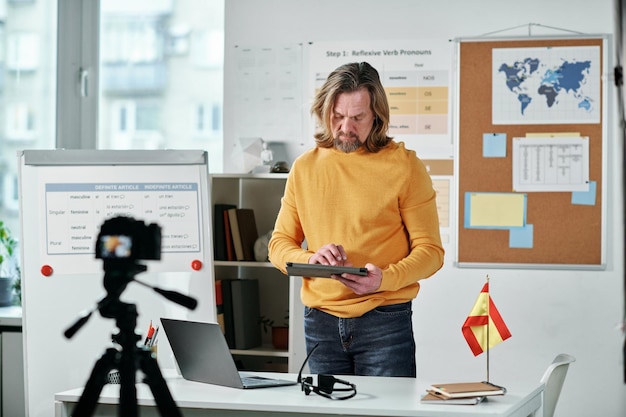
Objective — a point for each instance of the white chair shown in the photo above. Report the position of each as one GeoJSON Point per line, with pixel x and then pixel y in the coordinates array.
{"type": "Point", "coordinates": [553, 380]}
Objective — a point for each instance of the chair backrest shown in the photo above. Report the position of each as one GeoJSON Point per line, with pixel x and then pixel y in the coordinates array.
{"type": "Point", "coordinates": [553, 380]}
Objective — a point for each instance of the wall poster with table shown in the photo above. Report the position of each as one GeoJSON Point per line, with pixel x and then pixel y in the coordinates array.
{"type": "Point", "coordinates": [532, 148]}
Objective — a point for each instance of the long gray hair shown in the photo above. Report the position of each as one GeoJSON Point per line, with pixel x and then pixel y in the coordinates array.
{"type": "Point", "coordinates": [346, 79]}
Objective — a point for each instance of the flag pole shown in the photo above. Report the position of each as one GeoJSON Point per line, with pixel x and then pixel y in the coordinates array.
{"type": "Point", "coordinates": [488, 319]}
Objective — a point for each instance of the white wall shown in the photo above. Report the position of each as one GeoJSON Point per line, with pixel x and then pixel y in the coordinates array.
{"type": "Point", "coordinates": [548, 311]}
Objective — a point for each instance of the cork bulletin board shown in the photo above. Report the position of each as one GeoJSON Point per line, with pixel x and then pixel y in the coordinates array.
{"type": "Point", "coordinates": [541, 228]}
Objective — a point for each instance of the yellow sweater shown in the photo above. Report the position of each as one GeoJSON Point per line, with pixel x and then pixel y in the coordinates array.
{"type": "Point", "coordinates": [380, 206]}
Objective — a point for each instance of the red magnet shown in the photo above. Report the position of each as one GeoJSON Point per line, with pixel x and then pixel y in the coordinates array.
{"type": "Point", "coordinates": [46, 270]}
{"type": "Point", "coordinates": [196, 265]}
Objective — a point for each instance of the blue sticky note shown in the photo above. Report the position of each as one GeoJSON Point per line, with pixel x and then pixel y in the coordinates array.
{"type": "Point", "coordinates": [587, 198]}
{"type": "Point", "coordinates": [494, 145]}
{"type": "Point", "coordinates": [521, 237]}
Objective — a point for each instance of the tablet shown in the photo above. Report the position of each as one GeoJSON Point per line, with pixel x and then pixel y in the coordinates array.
{"type": "Point", "coordinates": [321, 271]}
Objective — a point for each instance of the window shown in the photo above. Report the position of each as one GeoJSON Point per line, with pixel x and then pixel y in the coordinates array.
{"type": "Point", "coordinates": [161, 76]}
{"type": "Point", "coordinates": [208, 49]}
{"type": "Point", "coordinates": [160, 61]}
{"type": "Point", "coordinates": [206, 119]}
{"type": "Point", "coordinates": [9, 195]}
{"type": "Point", "coordinates": [135, 125]}
{"type": "Point", "coordinates": [28, 33]}
{"type": "Point", "coordinates": [20, 122]}
{"type": "Point", "coordinates": [178, 40]}
{"type": "Point", "coordinates": [131, 39]}
{"type": "Point", "coordinates": [132, 116]}
{"type": "Point", "coordinates": [22, 51]}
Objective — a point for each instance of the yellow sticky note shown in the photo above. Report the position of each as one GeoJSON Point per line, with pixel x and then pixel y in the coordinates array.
{"type": "Point", "coordinates": [497, 209]}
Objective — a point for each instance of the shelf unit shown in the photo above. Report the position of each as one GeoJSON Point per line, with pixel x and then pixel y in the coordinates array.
{"type": "Point", "coordinates": [279, 295]}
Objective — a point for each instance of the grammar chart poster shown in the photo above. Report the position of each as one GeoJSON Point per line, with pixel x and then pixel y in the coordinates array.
{"type": "Point", "coordinates": [416, 75]}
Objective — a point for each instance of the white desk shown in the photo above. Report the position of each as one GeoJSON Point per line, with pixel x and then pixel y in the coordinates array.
{"type": "Point", "coordinates": [376, 396]}
{"type": "Point", "coordinates": [11, 317]}
{"type": "Point", "coordinates": [11, 362]}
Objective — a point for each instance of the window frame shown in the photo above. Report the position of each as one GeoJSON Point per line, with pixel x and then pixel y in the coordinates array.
{"type": "Point", "coordinates": [77, 74]}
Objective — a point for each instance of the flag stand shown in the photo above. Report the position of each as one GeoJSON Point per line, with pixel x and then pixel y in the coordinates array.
{"type": "Point", "coordinates": [484, 313]}
{"type": "Point", "coordinates": [488, 325]}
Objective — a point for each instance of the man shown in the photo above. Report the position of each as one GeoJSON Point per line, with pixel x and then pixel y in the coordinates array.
{"type": "Point", "coordinates": [358, 199]}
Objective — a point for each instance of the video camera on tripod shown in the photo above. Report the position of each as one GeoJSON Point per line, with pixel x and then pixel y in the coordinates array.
{"type": "Point", "coordinates": [124, 238]}
{"type": "Point", "coordinates": [121, 243]}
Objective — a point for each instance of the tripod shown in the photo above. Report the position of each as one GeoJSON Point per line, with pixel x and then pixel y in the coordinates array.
{"type": "Point", "coordinates": [130, 357]}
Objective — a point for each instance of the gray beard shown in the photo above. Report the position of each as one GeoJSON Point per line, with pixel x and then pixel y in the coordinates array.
{"type": "Point", "coordinates": [347, 147]}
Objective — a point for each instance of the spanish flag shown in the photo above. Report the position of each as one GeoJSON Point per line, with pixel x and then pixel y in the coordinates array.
{"type": "Point", "coordinates": [483, 314]}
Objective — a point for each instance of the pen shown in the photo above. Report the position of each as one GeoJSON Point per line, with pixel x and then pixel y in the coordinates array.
{"type": "Point", "coordinates": [149, 335]}
{"type": "Point", "coordinates": [152, 341]}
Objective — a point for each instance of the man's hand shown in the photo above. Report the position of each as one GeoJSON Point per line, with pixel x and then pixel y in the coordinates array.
{"type": "Point", "coordinates": [329, 254]}
{"type": "Point", "coordinates": [332, 254]}
{"type": "Point", "coordinates": [362, 284]}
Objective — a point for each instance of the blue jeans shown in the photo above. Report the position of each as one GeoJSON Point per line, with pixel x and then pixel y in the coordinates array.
{"type": "Point", "coordinates": [379, 343]}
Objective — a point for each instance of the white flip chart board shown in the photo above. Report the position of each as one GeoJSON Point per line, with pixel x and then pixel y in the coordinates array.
{"type": "Point", "coordinates": [65, 196]}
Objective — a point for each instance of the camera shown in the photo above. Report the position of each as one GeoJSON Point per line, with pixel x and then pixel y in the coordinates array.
{"type": "Point", "coordinates": [125, 238]}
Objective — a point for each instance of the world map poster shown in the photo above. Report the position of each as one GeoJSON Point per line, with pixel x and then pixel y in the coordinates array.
{"type": "Point", "coordinates": [551, 85]}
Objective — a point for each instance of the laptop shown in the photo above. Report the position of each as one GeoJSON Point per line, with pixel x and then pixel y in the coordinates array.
{"type": "Point", "coordinates": [202, 354]}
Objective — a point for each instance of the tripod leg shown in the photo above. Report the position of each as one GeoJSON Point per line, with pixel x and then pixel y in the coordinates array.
{"type": "Point", "coordinates": [162, 396]}
{"type": "Point", "coordinates": [128, 390]}
{"type": "Point", "coordinates": [89, 398]}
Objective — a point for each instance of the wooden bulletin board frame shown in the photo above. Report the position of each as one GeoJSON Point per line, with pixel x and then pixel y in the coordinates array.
{"type": "Point", "coordinates": [565, 235]}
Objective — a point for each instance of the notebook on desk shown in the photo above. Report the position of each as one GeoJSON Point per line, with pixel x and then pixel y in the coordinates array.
{"type": "Point", "coordinates": [202, 355]}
